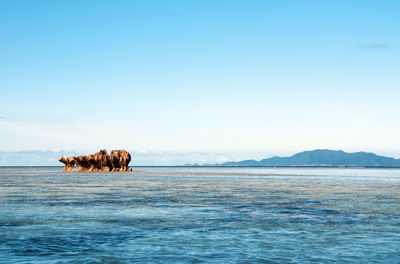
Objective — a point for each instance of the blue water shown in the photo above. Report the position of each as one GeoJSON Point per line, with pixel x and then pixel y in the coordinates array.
{"type": "Point", "coordinates": [200, 215]}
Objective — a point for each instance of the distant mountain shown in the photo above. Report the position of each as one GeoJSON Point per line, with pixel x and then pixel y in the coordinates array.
{"type": "Point", "coordinates": [322, 157]}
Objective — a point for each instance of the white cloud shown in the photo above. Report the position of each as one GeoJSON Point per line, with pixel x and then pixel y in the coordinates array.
{"type": "Point", "coordinates": [22, 135]}
{"type": "Point", "coordinates": [374, 46]}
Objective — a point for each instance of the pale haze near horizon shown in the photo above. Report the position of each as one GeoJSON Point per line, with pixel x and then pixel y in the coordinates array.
{"type": "Point", "coordinates": [228, 77]}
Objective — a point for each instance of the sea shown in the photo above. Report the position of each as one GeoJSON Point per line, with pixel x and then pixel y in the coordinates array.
{"type": "Point", "coordinates": [200, 215]}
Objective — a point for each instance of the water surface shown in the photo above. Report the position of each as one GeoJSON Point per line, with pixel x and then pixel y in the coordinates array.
{"type": "Point", "coordinates": [200, 215]}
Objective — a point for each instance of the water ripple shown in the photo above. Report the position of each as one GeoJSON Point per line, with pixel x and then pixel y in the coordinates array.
{"type": "Point", "coordinates": [54, 217]}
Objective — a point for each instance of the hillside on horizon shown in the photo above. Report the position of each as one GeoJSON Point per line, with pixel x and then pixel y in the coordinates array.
{"type": "Point", "coordinates": [322, 157]}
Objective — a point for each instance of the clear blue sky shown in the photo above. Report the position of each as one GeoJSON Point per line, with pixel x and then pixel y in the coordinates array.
{"type": "Point", "coordinates": [200, 75]}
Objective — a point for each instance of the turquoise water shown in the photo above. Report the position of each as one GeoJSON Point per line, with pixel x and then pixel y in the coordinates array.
{"type": "Point", "coordinates": [200, 215]}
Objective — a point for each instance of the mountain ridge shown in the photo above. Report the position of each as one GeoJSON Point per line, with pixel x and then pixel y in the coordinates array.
{"type": "Point", "coordinates": [322, 157]}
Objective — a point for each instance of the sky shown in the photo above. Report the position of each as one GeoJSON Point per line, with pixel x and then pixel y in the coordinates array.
{"type": "Point", "coordinates": [229, 79]}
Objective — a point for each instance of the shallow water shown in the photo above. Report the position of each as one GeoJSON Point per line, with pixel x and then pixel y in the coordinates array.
{"type": "Point", "coordinates": [200, 215]}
